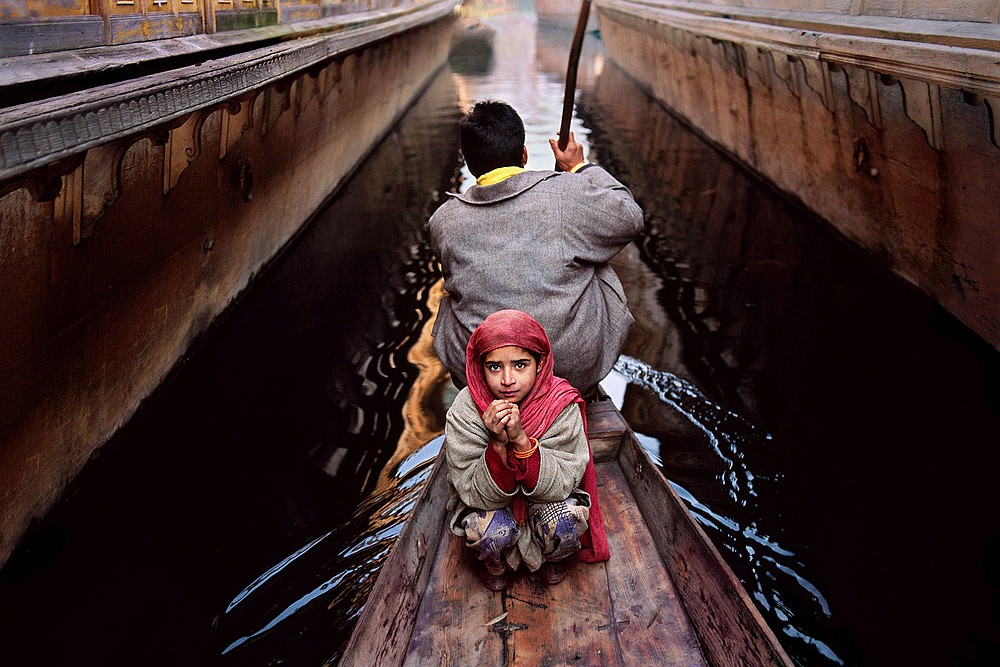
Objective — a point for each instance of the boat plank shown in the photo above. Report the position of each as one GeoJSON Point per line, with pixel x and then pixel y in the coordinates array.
{"type": "Point", "coordinates": [606, 429]}
{"type": "Point", "coordinates": [396, 597]}
{"type": "Point", "coordinates": [453, 623]}
{"type": "Point", "coordinates": [729, 627]}
{"type": "Point", "coordinates": [652, 626]}
{"type": "Point", "coordinates": [566, 624]}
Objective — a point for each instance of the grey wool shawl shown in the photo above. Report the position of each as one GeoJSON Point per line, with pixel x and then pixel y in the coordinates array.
{"type": "Point", "coordinates": [538, 241]}
{"type": "Point", "coordinates": [563, 452]}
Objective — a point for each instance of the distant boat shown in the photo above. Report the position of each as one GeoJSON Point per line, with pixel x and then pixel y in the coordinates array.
{"type": "Point", "coordinates": [666, 597]}
{"type": "Point", "coordinates": [564, 14]}
{"type": "Point", "coordinates": [471, 47]}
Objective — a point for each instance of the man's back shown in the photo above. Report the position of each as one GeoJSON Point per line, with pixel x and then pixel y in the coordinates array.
{"type": "Point", "coordinates": [538, 241]}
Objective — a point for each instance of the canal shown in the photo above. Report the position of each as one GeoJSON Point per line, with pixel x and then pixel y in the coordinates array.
{"type": "Point", "coordinates": [832, 429]}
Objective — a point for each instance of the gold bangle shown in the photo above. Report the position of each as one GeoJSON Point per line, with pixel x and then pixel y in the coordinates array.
{"type": "Point", "coordinates": [528, 454]}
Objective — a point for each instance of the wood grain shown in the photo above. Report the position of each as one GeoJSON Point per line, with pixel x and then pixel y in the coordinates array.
{"type": "Point", "coordinates": [652, 626]}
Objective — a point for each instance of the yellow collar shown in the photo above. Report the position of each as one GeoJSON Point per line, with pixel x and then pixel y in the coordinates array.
{"type": "Point", "coordinates": [497, 175]}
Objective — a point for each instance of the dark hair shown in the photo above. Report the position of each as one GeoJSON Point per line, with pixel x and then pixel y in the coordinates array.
{"type": "Point", "coordinates": [492, 137]}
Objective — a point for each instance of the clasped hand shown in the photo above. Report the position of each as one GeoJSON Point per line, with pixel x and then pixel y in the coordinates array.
{"type": "Point", "coordinates": [503, 421]}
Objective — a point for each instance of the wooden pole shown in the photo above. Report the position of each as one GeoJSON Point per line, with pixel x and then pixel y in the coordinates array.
{"type": "Point", "coordinates": [574, 61]}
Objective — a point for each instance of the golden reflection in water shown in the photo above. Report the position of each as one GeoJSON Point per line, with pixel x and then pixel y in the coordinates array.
{"type": "Point", "coordinates": [423, 411]}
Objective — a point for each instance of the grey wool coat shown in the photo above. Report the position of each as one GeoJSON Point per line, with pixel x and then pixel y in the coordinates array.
{"type": "Point", "coordinates": [538, 241]}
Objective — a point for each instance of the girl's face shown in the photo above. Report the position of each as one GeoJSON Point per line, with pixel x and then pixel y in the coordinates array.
{"type": "Point", "coordinates": [510, 372]}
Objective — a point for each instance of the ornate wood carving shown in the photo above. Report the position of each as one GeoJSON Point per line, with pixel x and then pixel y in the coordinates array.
{"type": "Point", "coordinates": [923, 107]}
{"type": "Point", "coordinates": [236, 120]}
{"type": "Point", "coordinates": [89, 189]}
{"type": "Point", "coordinates": [183, 146]}
{"type": "Point", "coordinates": [863, 89]}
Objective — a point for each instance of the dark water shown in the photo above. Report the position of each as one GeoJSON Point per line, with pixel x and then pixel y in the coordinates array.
{"type": "Point", "coordinates": [834, 431]}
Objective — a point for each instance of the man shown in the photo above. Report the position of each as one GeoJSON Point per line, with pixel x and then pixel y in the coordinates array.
{"type": "Point", "coordinates": [536, 241]}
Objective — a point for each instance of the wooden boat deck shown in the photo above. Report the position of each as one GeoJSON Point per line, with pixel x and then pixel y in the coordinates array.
{"type": "Point", "coordinates": [664, 598]}
{"type": "Point", "coordinates": [623, 612]}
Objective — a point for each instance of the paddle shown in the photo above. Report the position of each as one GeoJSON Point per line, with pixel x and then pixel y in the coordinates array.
{"type": "Point", "coordinates": [574, 61]}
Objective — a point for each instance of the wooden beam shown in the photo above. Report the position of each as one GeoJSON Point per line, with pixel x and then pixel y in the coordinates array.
{"type": "Point", "coordinates": [962, 56]}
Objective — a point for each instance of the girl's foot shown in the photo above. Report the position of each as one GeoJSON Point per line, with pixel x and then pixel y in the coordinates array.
{"type": "Point", "coordinates": [494, 582]}
{"type": "Point", "coordinates": [552, 572]}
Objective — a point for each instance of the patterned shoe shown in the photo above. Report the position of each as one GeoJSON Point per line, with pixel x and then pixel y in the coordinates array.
{"type": "Point", "coordinates": [494, 582]}
{"type": "Point", "coordinates": [552, 572]}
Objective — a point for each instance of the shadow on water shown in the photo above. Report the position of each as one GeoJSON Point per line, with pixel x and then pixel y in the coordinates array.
{"type": "Point", "coordinates": [829, 426]}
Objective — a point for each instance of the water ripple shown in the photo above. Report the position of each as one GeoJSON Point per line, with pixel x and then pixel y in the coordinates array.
{"type": "Point", "coordinates": [760, 560]}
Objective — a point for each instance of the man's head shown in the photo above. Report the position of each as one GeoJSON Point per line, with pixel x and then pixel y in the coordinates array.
{"type": "Point", "coordinates": [492, 137]}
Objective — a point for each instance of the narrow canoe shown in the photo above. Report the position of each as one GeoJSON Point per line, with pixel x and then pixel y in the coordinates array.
{"type": "Point", "coordinates": [666, 597]}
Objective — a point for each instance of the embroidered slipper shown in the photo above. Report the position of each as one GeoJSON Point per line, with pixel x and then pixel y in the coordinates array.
{"type": "Point", "coordinates": [494, 582]}
{"type": "Point", "coordinates": [552, 572]}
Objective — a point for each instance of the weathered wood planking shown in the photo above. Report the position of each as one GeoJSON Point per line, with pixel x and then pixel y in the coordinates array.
{"type": "Point", "coordinates": [569, 623]}
{"type": "Point", "coordinates": [731, 630]}
{"type": "Point", "coordinates": [624, 612]}
{"type": "Point", "coordinates": [651, 623]}
{"type": "Point", "coordinates": [453, 627]}
{"type": "Point", "coordinates": [392, 606]}
{"type": "Point", "coordinates": [606, 430]}
{"type": "Point", "coordinates": [664, 598]}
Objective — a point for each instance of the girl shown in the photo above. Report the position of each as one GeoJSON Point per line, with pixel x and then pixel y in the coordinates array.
{"type": "Point", "coordinates": [522, 478]}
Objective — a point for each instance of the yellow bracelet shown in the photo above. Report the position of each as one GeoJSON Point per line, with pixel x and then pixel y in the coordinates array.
{"type": "Point", "coordinates": [528, 454]}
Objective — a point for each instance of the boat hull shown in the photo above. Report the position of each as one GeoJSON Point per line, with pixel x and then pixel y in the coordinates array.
{"type": "Point", "coordinates": [665, 597]}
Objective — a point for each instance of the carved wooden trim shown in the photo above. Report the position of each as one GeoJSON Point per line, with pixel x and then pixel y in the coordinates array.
{"type": "Point", "coordinates": [993, 104]}
{"type": "Point", "coordinates": [183, 147]}
{"type": "Point", "coordinates": [43, 132]}
{"type": "Point", "coordinates": [922, 102]}
{"type": "Point", "coordinates": [237, 118]}
{"type": "Point", "coordinates": [89, 189]}
{"type": "Point", "coordinates": [862, 86]}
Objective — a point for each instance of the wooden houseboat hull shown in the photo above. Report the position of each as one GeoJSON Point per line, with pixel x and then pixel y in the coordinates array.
{"type": "Point", "coordinates": [879, 117]}
{"type": "Point", "coordinates": [134, 212]}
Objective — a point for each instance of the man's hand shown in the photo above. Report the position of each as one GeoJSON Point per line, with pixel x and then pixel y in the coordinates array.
{"type": "Point", "coordinates": [569, 158]}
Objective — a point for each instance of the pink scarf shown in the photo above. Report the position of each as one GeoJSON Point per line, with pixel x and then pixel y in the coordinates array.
{"type": "Point", "coordinates": [539, 409]}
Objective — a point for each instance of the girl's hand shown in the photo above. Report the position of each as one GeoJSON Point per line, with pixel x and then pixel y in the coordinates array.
{"type": "Point", "coordinates": [495, 419]}
{"type": "Point", "coordinates": [514, 431]}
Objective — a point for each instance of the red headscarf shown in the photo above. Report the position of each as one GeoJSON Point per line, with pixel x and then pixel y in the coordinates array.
{"type": "Point", "coordinates": [539, 409]}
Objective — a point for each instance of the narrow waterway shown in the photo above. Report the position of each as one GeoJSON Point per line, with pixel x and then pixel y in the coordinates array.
{"type": "Point", "coordinates": [833, 430]}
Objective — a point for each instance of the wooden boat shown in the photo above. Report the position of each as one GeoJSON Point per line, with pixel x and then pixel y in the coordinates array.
{"type": "Point", "coordinates": [666, 597]}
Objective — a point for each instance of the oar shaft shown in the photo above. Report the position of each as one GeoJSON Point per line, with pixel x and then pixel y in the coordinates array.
{"type": "Point", "coordinates": [574, 62]}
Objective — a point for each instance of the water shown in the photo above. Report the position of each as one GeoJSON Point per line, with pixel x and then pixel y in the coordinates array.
{"type": "Point", "coordinates": [832, 430]}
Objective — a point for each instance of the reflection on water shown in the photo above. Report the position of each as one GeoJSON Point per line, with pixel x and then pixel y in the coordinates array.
{"type": "Point", "coordinates": [302, 609]}
{"type": "Point", "coordinates": [831, 429]}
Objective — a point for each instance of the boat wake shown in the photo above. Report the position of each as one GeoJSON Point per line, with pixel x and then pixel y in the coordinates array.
{"type": "Point", "coordinates": [765, 567]}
